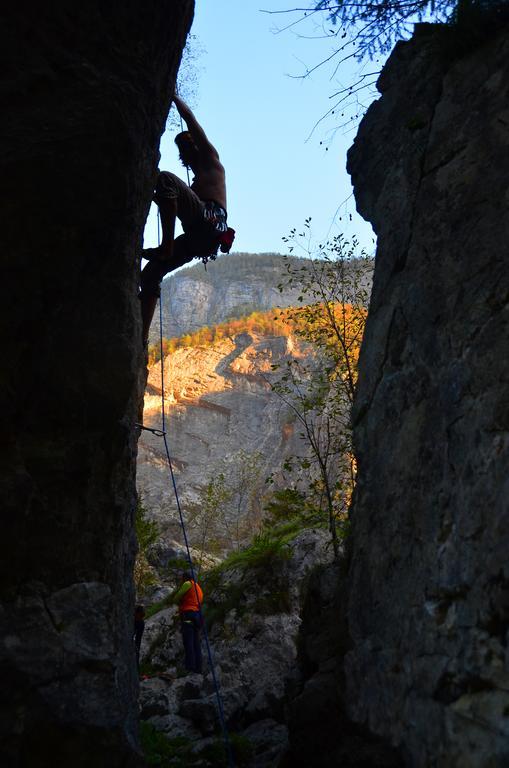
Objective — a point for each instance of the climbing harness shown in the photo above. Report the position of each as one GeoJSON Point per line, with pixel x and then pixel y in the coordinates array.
{"type": "Point", "coordinates": [163, 433]}
{"type": "Point", "coordinates": [215, 217]}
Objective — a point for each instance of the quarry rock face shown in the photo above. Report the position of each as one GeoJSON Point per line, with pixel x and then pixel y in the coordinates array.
{"type": "Point", "coordinates": [86, 92]}
{"type": "Point", "coordinates": [233, 286]}
{"type": "Point", "coordinates": [428, 605]}
{"type": "Point", "coordinates": [221, 412]}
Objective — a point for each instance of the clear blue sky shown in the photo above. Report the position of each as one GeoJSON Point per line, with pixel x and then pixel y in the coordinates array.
{"type": "Point", "coordinates": [259, 119]}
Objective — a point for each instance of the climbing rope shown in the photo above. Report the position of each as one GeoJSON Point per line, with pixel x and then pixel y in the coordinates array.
{"type": "Point", "coordinates": [163, 433]}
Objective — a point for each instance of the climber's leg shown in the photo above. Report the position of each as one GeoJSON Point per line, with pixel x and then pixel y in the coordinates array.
{"type": "Point", "coordinates": [174, 199]}
{"type": "Point", "coordinates": [151, 277]}
{"type": "Point", "coordinates": [168, 213]}
{"type": "Point", "coordinates": [148, 307]}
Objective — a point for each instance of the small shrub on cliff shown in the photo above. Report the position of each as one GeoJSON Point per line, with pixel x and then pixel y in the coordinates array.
{"type": "Point", "coordinates": [147, 533]}
{"type": "Point", "coordinates": [229, 511]}
{"type": "Point", "coordinates": [214, 755]}
{"type": "Point", "coordinates": [160, 751]}
{"type": "Point", "coordinates": [262, 557]}
{"type": "Point", "coordinates": [290, 505]}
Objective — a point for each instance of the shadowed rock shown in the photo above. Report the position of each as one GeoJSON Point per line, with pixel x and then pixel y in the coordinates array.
{"type": "Point", "coordinates": [86, 92]}
{"type": "Point", "coordinates": [429, 582]}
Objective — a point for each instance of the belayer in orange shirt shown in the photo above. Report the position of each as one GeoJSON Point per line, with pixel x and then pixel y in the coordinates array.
{"type": "Point", "coordinates": [189, 598]}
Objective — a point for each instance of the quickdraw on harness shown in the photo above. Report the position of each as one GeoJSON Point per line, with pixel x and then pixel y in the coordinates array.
{"type": "Point", "coordinates": [215, 215]}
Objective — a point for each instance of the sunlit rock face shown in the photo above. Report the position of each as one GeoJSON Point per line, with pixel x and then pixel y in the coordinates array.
{"type": "Point", "coordinates": [429, 577]}
{"type": "Point", "coordinates": [86, 93]}
{"type": "Point", "coordinates": [221, 413]}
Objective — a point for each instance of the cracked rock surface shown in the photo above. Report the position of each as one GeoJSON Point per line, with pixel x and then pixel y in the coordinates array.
{"type": "Point", "coordinates": [86, 90]}
{"type": "Point", "coordinates": [429, 578]}
{"type": "Point", "coordinates": [255, 651]}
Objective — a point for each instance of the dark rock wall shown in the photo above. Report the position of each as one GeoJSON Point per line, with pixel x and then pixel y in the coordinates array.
{"type": "Point", "coordinates": [429, 579]}
{"type": "Point", "coordinates": [85, 95]}
{"type": "Point", "coordinates": [321, 733]}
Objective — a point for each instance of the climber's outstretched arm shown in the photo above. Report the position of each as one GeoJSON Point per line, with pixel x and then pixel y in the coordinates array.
{"type": "Point", "coordinates": [198, 134]}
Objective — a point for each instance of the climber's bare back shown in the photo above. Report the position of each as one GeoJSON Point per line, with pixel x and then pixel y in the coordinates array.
{"type": "Point", "coordinates": [209, 182]}
{"type": "Point", "coordinates": [209, 176]}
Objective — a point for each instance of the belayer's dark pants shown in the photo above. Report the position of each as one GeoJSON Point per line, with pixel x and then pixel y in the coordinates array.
{"type": "Point", "coordinates": [192, 642]}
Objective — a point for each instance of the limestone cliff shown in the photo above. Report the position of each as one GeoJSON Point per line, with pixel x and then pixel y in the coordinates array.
{"type": "Point", "coordinates": [86, 90]}
{"type": "Point", "coordinates": [232, 286]}
{"type": "Point", "coordinates": [428, 607]}
{"type": "Point", "coordinates": [221, 411]}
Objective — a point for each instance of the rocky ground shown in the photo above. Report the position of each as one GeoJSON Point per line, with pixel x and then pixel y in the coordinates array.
{"type": "Point", "coordinates": [254, 619]}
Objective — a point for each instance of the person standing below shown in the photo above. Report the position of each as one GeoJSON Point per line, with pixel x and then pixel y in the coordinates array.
{"type": "Point", "coordinates": [189, 598]}
{"type": "Point", "coordinates": [200, 207]}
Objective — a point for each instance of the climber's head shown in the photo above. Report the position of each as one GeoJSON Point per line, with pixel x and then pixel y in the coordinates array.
{"type": "Point", "coordinates": [188, 151]}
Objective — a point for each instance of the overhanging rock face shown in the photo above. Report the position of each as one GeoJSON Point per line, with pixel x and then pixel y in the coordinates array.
{"type": "Point", "coordinates": [86, 93]}
{"type": "Point", "coordinates": [429, 576]}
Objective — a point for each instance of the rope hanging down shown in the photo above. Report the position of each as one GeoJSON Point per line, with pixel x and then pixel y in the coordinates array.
{"type": "Point", "coordinates": [163, 433]}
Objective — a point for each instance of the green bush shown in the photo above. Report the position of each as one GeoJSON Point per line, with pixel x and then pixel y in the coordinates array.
{"type": "Point", "coordinates": [151, 610]}
{"type": "Point", "coordinates": [215, 753]}
{"type": "Point", "coordinates": [219, 603]}
{"type": "Point", "coordinates": [163, 752]}
{"type": "Point", "coordinates": [147, 533]}
{"type": "Point", "coordinates": [264, 556]}
{"type": "Point", "coordinates": [177, 753]}
{"type": "Point", "coordinates": [150, 670]}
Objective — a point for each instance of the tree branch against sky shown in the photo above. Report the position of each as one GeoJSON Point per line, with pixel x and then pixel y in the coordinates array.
{"type": "Point", "coordinates": [366, 27]}
{"type": "Point", "coordinates": [189, 74]}
{"type": "Point", "coordinates": [364, 31]}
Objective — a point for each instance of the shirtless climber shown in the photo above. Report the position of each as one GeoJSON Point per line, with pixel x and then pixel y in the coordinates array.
{"type": "Point", "coordinates": [201, 209]}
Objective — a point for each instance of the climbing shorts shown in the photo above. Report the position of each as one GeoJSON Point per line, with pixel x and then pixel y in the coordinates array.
{"type": "Point", "coordinates": [204, 225]}
{"type": "Point", "coordinates": [190, 209]}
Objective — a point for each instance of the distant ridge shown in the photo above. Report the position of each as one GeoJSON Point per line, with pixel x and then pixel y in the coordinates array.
{"type": "Point", "coordinates": [235, 285]}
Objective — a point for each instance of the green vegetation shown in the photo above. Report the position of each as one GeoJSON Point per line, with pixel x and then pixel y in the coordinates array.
{"type": "Point", "coordinates": [147, 533]}
{"type": "Point", "coordinates": [256, 322]}
{"type": "Point", "coordinates": [226, 585]}
{"type": "Point", "coordinates": [370, 27]}
{"type": "Point", "coordinates": [290, 506]}
{"type": "Point", "coordinates": [151, 610]}
{"type": "Point", "coordinates": [149, 669]}
{"type": "Point", "coordinates": [238, 265]}
{"type": "Point", "coordinates": [230, 508]}
{"type": "Point", "coordinates": [376, 24]}
{"type": "Point", "coordinates": [319, 389]}
{"type": "Point", "coordinates": [178, 752]}
{"type": "Point", "coordinates": [160, 751]}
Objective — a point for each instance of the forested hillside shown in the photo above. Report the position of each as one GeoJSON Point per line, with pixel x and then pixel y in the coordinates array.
{"type": "Point", "coordinates": [235, 285]}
